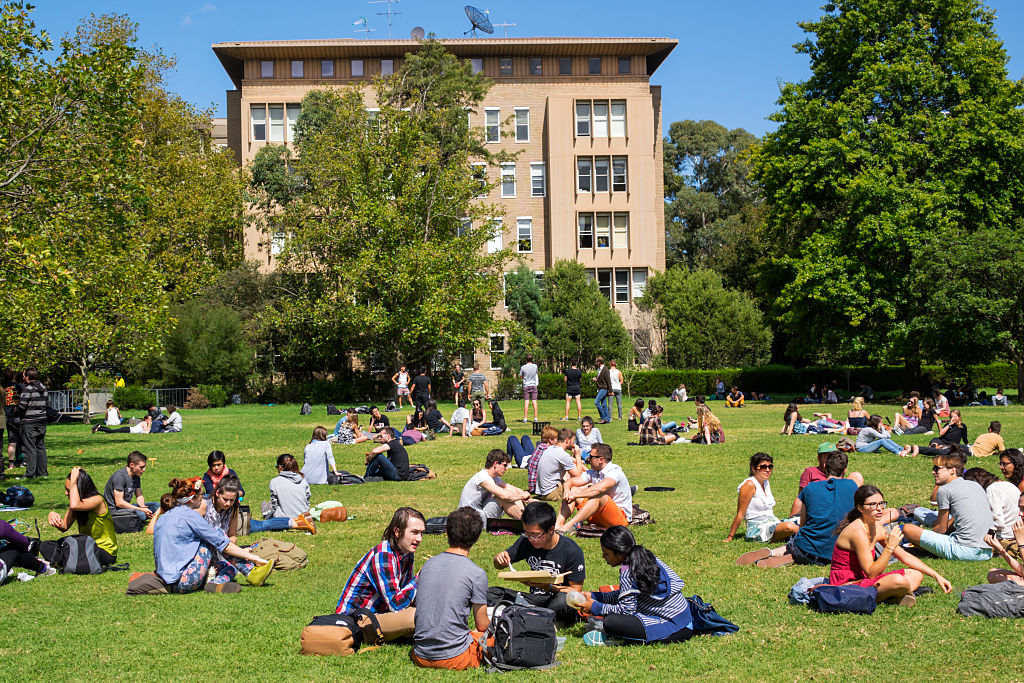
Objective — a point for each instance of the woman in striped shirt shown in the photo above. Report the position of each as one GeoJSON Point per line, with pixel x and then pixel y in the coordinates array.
{"type": "Point", "coordinates": [649, 605]}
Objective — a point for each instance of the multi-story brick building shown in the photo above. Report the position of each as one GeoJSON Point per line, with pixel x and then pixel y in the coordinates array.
{"type": "Point", "coordinates": [587, 184]}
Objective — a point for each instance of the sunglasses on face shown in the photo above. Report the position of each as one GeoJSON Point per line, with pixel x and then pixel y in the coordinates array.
{"type": "Point", "coordinates": [765, 467]}
{"type": "Point", "coordinates": [936, 468]}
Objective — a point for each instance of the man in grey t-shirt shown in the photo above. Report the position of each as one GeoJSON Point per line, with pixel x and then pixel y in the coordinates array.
{"type": "Point", "coordinates": [478, 383]}
{"type": "Point", "coordinates": [964, 517]}
{"type": "Point", "coordinates": [450, 587]}
{"type": "Point", "coordinates": [125, 487]}
{"type": "Point", "coordinates": [531, 380]}
{"type": "Point", "coordinates": [555, 462]}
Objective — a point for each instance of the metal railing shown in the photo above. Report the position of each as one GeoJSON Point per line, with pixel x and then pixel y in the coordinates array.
{"type": "Point", "coordinates": [72, 400]}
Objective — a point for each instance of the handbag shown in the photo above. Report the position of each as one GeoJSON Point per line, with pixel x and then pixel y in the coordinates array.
{"type": "Point", "coordinates": [706, 621]}
{"type": "Point", "coordinates": [851, 599]}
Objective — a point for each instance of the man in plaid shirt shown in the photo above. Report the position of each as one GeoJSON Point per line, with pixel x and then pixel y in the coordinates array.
{"type": "Point", "coordinates": [383, 579]}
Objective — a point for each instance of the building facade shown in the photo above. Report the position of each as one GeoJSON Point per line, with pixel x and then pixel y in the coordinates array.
{"type": "Point", "coordinates": [587, 184]}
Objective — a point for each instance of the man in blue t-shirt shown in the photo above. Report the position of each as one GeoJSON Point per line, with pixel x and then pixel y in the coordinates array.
{"type": "Point", "coordinates": [825, 503]}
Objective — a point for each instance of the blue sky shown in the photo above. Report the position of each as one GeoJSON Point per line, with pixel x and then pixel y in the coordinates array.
{"type": "Point", "coordinates": [731, 56]}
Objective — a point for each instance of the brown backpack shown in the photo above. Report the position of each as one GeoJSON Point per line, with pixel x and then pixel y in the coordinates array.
{"type": "Point", "coordinates": [285, 556]}
{"type": "Point", "coordinates": [343, 634]}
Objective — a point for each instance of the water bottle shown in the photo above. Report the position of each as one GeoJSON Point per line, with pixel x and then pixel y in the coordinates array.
{"type": "Point", "coordinates": [575, 599]}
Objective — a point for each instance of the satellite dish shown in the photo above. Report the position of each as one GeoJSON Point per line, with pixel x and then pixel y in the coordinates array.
{"type": "Point", "coordinates": [479, 20]}
{"type": "Point", "coordinates": [417, 33]}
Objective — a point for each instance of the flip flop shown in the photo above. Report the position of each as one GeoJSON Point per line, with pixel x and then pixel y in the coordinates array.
{"type": "Point", "coordinates": [659, 488]}
{"type": "Point", "coordinates": [777, 561]}
{"type": "Point", "coordinates": [753, 556]}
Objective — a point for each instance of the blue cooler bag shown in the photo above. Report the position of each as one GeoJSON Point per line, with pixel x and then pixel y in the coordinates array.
{"type": "Point", "coordinates": [850, 599]}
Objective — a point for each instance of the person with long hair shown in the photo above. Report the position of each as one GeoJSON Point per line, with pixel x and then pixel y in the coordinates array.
{"type": "Point", "coordinates": [318, 458]}
{"type": "Point", "coordinates": [349, 432]}
{"type": "Point", "coordinates": [651, 431]}
{"type": "Point", "coordinates": [909, 417]}
{"type": "Point", "coordinates": [709, 427]}
{"type": "Point", "coordinates": [222, 512]}
{"type": "Point", "coordinates": [635, 416]}
{"type": "Point", "coordinates": [87, 507]}
{"type": "Point", "coordinates": [875, 436]}
{"type": "Point", "coordinates": [649, 605]}
{"type": "Point", "coordinates": [184, 545]}
{"type": "Point", "coordinates": [1011, 464]}
{"type": "Point", "coordinates": [289, 500]}
{"type": "Point", "coordinates": [950, 436]}
{"type": "Point", "coordinates": [926, 422]}
{"type": "Point", "coordinates": [755, 505]}
{"type": "Point", "coordinates": [855, 561]}
{"type": "Point", "coordinates": [383, 580]}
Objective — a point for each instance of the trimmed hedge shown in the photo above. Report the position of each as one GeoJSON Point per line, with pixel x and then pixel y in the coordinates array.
{"type": "Point", "coordinates": [133, 397]}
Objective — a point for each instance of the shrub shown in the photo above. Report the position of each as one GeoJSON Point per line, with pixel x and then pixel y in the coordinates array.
{"type": "Point", "coordinates": [133, 397]}
{"type": "Point", "coordinates": [195, 400]}
{"type": "Point", "coordinates": [216, 395]}
{"type": "Point", "coordinates": [207, 344]}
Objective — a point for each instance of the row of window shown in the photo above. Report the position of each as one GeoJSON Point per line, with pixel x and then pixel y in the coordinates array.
{"type": "Point", "coordinates": [594, 66]}
{"type": "Point", "coordinates": [492, 124]}
{"type": "Point", "coordinates": [357, 68]}
{"type": "Point", "coordinates": [592, 174]}
{"type": "Point", "coordinates": [603, 230]}
{"type": "Point", "coordinates": [620, 285]}
{"type": "Point", "coordinates": [538, 179]}
{"type": "Point", "coordinates": [592, 118]}
{"type": "Point", "coordinates": [281, 117]}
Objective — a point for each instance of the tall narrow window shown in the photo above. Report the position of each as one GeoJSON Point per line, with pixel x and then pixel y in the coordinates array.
{"type": "Point", "coordinates": [586, 231]}
{"type": "Point", "coordinates": [535, 66]}
{"type": "Point", "coordinates": [583, 175]}
{"type": "Point", "coordinates": [603, 223]}
{"type": "Point", "coordinates": [267, 68]}
{"type": "Point", "coordinates": [497, 350]}
{"type": "Point", "coordinates": [624, 64]}
{"type": "Point", "coordinates": [505, 66]}
{"type": "Point", "coordinates": [622, 285]}
{"type": "Point", "coordinates": [477, 63]}
{"type": "Point", "coordinates": [258, 115]}
{"type": "Point", "coordinates": [296, 68]}
{"type": "Point", "coordinates": [480, 175]}
{"type": "Point", "coordinates": [594, 66]}
{"type": "Point", "coordinates": [493, 125]}
{"type": "Point", "coordinates": [387, 67]}
{"type": "Point", "coordinates": [604, 282]}
{"type": "Point", "coordinates": [277, 123]}
{"type": "Point", "coordinates": [619, 174]}
{"type": "Point", "coordinates": [524, 227]}
{"type": "Point", "coordinates": [357, 68]}
{"type": "Point", "coordinates": [600, 119]}
{"type": "Point", "coordinates": [565, 66]}
{"type": "Point", "coordinates": [465, 224]}
{"type": "Point", "coordinates": [582, 118]}
{"type": "Point", "coordinates": [601, 174]}
{"type": "Point", "coordinates": [620, 226]}
{"type": "Point", "coordinates": [326, 68]}
{"type": "Point", "coordinates": [522, 124]}
{"type": "Point", "coordinates": [538, 180]}
{"type": "Point", "coordinates": [639, 282]}
{"type": "Point", "coordinates": [618, 118]}
{"type": "Point", "coordinates": [494, 244]}
{"type": "Point", "coordinates": [293, 116]}
{"type": "Point", "coordinates": [508, 180]}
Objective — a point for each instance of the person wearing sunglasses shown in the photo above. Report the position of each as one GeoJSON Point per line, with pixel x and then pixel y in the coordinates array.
{"type": "Point", "coordinates": [856, 562]}
{"type": "Point", "coordinates": [959, 499]}
{"type": "Point", "coordinates": [756, 504]}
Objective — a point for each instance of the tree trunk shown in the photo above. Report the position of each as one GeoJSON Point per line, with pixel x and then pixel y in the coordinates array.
{"type": "Point", "coordinates": [1019, 361]}
{"type": "Point", "coordinates": [83, 367]}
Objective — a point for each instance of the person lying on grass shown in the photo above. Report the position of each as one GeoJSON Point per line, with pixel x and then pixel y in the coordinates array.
{"type": "Point", "coordinates": [601, 495]}
{"type": "Point", "coordinates": [755, 505]}
{"type": "Point", "coordinates": [649, 605]}
{"type": "Point", "coordinates": [142, 427]}
{"type": "Point", "coordinates": [818, 474]}
{"type": "Point", "coordinates": [87, 507]}
{"type": "Point", "coordinates": [488, 494]}
{"type": "Point", "coordinates": [854, 559]}
{"type": "Point", "coordinates": [18, 550]}
{"type": "Point", "coordinates": [451, 588]}
{"type": "Point", "coordinates": [184, 545]}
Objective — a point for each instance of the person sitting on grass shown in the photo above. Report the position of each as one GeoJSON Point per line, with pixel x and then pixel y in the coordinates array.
{"type": "Point", "coordinates": [709, 427]}
{"type": "Point", "coordinates": [389, 460]}
{"type": "Point", "coordinates": [435, 420]}
{"type": "Point", "coordinates": [909, 417]}
{"type": "Point", "coordinates": [519, 449]}
{"type": "Point", "coordinates": [857, 417]}
{"type": "Point", "coordinates": [953, 433]}
{"type": "Point", "coordinates": [451, 588]}
{"type": "Point", "coordinates": [124, 488]}
{"type": "Point", "coordinates": [1011, 464]}
{"type": "Point", "coordinates": [818, 474]}
{"type": "Point", "coordinates": [601, 494]}
{"type": "Point", "coordinates": [217, 469]}
{"type": "Point", "coordinates": [735, 398]}
{"type": "Point", "coordinates": [958, 499]}
{"type": "Point", "coordinates": [417, 420]}
{"type": "Point", "coordinates": [825, 503]}
{"type": "Point", "coordinates": [170, 423]}
{"type": "Point", "coordinates": [222, 514]}
{"type": "Point", "coordinates": [531, 460]}
{"type": "Point", "coordinates": [18, 550]}
{"type": "Point", "coordinates": [477, 415]}
{"type": "Point", "coordinates": [554, 466]}
{"type": "Point", "coordinates": [989, 443]}
{"type": "Point", "coordinates": [142, 427]}
{"type": "Point", "coordinates": [497, 425]}
{"type": "Point", "coordinates": [648, 606]}
{"type": "Point", "coordinates": [87, 508]}
{"type": "Point", "coordinates": [289, 500]}
{"type": "Point", "coordinates": [651, 431]}
{"type": "Point", "coordinates": [587, 436]}
{"type": "Point", "coordinates": [543, 549]}
{"type": "Point", "coordinates": [348, 432]}
{"type": "Point", "coordinates": [1016, 572]}
{"type": "Point", "coordinates": [318, 458]}
{"type": "Point", "coordinates": [377, 420]}
{"type": "Point", "coordinates": [635, 417]}
{"type": "Point", "coordinates": [999, 399]}
{"type": "Point", "coordinates": [875, 436]}
{"type": "Point", "coordinates": [460, 422]}
{"type": "Point", "coordinates": [854, 558]}
{"type": "Point", "coordinates": [383, 579]}
{"type": "Point", "coordinates": [489, 495]}
{"type": "Point", "coordinates": [679, 394]}
{"type": "Point", "coordinates": [184, 544]}
{"type": "Point", "coordinates": [755, 505]}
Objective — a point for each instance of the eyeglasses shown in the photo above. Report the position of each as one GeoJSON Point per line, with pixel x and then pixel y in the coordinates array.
{"type": "Point", "coordinates": [536, 537]}
{"type": "Point", "coordinates": [765, 467]}
{"type": "Point", "coordinates": [880, 505]}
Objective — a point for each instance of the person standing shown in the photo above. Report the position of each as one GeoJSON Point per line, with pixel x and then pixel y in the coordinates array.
{"type": "Point", "coordinates": [478, 388]}
{"type": "Point", "coordinates": [458, 382]}
{"type": "Point", "coordinates": [573, 390]}
{"type": "Point", "coordinates": [604, 385]}
{"type": "Point", "coordinates": [401, 380]}
{"type": "Point", "coordinates": [421, 390]}
{"type": "Point", "coordinates": [531, 380]}
{"type": "Point", "coordinates": [615, 376]}
{"type": "Point", "coordinates": [32, 413]}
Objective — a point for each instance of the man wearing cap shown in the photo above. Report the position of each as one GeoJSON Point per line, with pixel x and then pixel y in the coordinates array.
{"type": "Point", "coordinates": [812, 474]}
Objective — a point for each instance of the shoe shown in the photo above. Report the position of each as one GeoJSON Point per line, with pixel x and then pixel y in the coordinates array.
{"type": "Point", "coordinates": [563, 419]}
{"type": "Point", "coordinates": [905, 601]}
{"type": "Point", "coordinates": [633, 490]}
{"type": "Point", "coordinates": [259, 574]}
{"type": "Point", "coordinates": [753, 556]}
{"type": "Point", "coordinates": [48, 571]}
{"type": "Point", "coordinates": [229, 587]}
{"type": "Point", "coordinates": [524, 420]}
{"type": "Point", "coordinates": [777, 561]}
{"type": "Point", "coordinates": [922, 590]}
{"type": "Point", "coordinates": [305, 523]}
{"type": "Point", "coordinates": [929, 433]}
{"type": "Point", "coordinates": [95, 428]}
{"type": "Point", "coordinates": [898, 431]}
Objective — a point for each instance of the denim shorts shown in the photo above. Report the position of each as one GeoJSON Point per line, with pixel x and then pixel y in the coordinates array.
{"type": "Point", "coordinates": [945, 547]}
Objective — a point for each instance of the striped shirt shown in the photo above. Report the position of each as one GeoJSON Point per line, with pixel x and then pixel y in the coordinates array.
{"type": "Point", "coordinates": [666, 604]}
{"type": "Point", "coordinates": [32, 404]}
{"type": "Point", "coordinates": [381, 582]}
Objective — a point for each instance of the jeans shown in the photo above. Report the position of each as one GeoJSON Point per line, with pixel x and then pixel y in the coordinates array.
{"type": "Point", "coordinates": [153, 507]}
{"type": "Point", "coordinates": [617, 393]}
{"type": "Point", "coordinates": [601, 403]}
{"type": "Point", "coordinates": [257, 526]}
{"type": "Point", "coordinates": [887, 444]}
{"type": "Point", "coordinates": [420, 401]}
{"type": "Point", "coordinates": [33, 441]}
{"type": "Point", "coordinates": [519, 449]}
{"type": "Point", "coordinates": [381, 467]}
{"type": "Point", "coordinates": [669, 427]}
{"type": "Point", "coordinates": [925, 517]}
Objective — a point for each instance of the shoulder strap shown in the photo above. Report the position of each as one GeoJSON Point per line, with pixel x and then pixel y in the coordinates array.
{"type": "Point", "coordinates": [368, 624]}
{"type": "Point", "coordinates": [123, 567]}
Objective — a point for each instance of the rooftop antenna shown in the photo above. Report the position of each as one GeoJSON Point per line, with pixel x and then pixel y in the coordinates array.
{"type": "Point", "coordinates": [361, 22]}
{"type": "Point", "coordinates": [389, 13]}
{"type": "Point", "coordinates": [479, 20]}
{"type": "Point", "coordinates": [505, 27]}
{"type": "Point", "coordinates": [417, 33]}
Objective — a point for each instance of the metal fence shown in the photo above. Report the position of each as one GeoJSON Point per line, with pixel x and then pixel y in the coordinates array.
{"type": "Point", "coordinates": [72, 400]}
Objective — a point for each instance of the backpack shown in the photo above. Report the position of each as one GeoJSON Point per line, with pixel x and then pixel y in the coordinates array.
{"type": "Point", "coordinates": [332, 410]}
{"type": "Point", "coordinates": [418, 472]}
{"type": "Point", "coordinates": [363, 410]}
{"type": "Point", "coordinates": [76, 555]}
{"type": "Point", "coordinates": [306, 409]}
{"type": "Point", "coordinates": [852, 599]}
{"type": "Point", "coordinates": [706, 621]}
{"type": "Point", "coordinates": [435, 525]}
{"type": "Point", "coordinates": [19, 497]}
{"type": "Point", "coordinates": [524, 638]}
{"type": "Point", "coordinates": [126, 521]}
{"type": "Point", "coordinates": [1003, 599]}
{"type": "Point", "coordinates": [640, 516]}
{"type": "Point", "coordinates": [846, 445]}
{"type": "Point", "coordinates": [285, 556]}
{"type": "Point", "coordinates": [390, 407]}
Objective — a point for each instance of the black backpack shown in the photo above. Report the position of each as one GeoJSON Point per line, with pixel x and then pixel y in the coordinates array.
{"type": "Point", "coordinates": [19, 497]}
{"type": "Point", "coordinates": [306, 409]}
{"type": "Point", "coordinates": [344, 477]}
{"type": "Point", "coordinates": [524, 638]}
{"type": "Point", "coordinates": [435, 525]}
{"type": "Point", "coordinates": [417, 472]}
{"type": "Point", "coordinates": [76, 555]}
{"type": "Point", "coordinates": [390, 407]}
{"type": "Point", "coordinates": [126, 521]}
{"type": "Point", "coordinates": [332, 410]}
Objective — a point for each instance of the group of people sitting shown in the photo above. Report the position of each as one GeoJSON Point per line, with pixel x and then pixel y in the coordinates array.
{"type": "Point", "coordinates": [652, 431]}
{"type": "Point", "coordinates": [154, 422]}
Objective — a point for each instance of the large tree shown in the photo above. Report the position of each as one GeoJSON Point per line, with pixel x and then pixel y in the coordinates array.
{"type": "Point", "coordinates": [386, 239]}
{"type": "Point", "coordinates": [908, 128]}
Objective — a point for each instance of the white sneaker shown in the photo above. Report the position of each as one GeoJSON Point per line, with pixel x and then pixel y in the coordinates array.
{"type": "Point", "coordinates": [49, 571]}
{"type": "Point", "coordinates": [897, 431]}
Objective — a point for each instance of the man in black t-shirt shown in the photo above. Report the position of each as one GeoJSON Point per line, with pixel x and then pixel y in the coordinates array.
{"type": "Point", "coordinates": [435, 420]}
{"type": "Point", "coordinates": [459, 384]}
{"type": "Point", "coordinates": [389, 460]}
{"type": "Point", "coordinates": [573, 389]}
{"type": "Point", "coordinates": [421, 390]}
{"type": "Point", "coordinates": [544, 550]}
{"type": "Point", "coordinates": [378, 421]}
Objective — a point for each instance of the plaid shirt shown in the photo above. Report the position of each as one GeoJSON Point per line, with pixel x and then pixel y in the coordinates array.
{"type": "Point", "coordinates": [531, 467]}
{"type": "Point", "coordinates": [381, 582]}
{"type": "Point", "coordinates": [650, 432]}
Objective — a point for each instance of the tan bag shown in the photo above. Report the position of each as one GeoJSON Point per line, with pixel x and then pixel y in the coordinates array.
{"type": "Point", "coordinates": [285, 556]}
{"type": "Point", "coordinates": [338, 514]}
{"type": "Point", "coordinates": [390, 626]}
{"type": "Point", "coordinates": [477, 432]}
{"type": "Point", "coordinates": [331, 634]}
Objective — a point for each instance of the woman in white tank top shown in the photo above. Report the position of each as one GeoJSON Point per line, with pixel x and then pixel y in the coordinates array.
{"type": "Point", "coordinates": [756, 505]}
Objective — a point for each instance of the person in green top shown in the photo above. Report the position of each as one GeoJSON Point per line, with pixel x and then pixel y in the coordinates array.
{"type": "Point", "coordinates": [88, 508]}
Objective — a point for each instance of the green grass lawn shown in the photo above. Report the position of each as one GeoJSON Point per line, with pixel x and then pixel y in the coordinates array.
{"type": "Point", "coordinates": [85, 628]}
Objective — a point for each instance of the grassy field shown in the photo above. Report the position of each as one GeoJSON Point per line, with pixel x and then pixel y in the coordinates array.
{"type": "Point", "coordinates": [85, 628]}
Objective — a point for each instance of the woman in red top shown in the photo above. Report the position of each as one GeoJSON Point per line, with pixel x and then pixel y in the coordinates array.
{"type": "Point", "coordinates": [854, 560]}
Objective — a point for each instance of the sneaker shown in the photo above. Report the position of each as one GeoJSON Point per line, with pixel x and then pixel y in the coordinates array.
{"type": "Point", "coordinates": [898, 431]}
{"type": "Point", "coordinates": [922, 590]}
{"type": "Point", "coordinates": [48, 570]}
{"type": "Point", "coordinates": [754, 556]}
{"type": "Point", "coordinates": [524, 420]}
{"type": "Point", "coordinates": [259, 574]}
{"type": "Point", "coordinates": [598, 638]}
{"type": "Point", "coordinates": [563, 419]}
{"type": "Point", "coordinates": [929, 433]}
